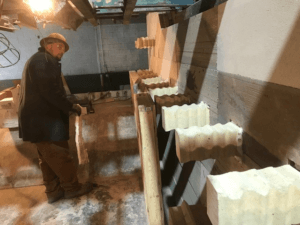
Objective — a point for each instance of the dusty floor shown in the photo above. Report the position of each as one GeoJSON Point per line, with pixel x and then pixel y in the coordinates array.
{"type": "Point", "coordinates": [118, 198]}
{"type": "Point", "coordinates": [115, 201]}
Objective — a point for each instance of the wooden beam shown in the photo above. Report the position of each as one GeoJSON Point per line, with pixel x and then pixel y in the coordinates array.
{"type": "Point", "coordinates": [68, 18]}
{"type": "Point", "coordinates": [129, 7]}
{"type": "Point", "coordinates": [1, 7]}
{"type": "Point", "coordinates": [150, 159]}
{"type": "Point", "coordinates": [27, 21]}
{"type": "Point", "coordinates": [181, 215]}
{"type": "Point", "coordinates": [86, 9]}
{"type": "Point", "coordinates": [168, 19]}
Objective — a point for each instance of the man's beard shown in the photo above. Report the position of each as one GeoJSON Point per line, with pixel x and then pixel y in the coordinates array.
{"type": "Point", "coordinates": [58, 57]}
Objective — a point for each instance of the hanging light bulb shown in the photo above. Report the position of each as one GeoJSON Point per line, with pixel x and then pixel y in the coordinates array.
{"type": "Point", "coordinates": [40, 5]}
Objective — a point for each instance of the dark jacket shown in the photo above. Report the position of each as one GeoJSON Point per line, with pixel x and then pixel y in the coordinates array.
{"type": "Point", "coordinates": [44, 108]}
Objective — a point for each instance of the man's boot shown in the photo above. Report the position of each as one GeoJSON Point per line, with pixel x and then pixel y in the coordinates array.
{"type": "Point", "coordinates": [83, 189]}
{"type": "Point", "coordinates": [53, 197]}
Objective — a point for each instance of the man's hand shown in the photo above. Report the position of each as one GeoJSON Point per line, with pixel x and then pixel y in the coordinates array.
{"type": "Point", "coordinates": [77, 109]}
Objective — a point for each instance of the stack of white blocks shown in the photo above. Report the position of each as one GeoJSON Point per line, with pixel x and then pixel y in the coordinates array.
{"type": "Point", "coordinates": [163, 91]}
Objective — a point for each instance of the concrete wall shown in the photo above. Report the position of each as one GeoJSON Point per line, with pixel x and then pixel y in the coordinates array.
{"type": "Point", "coordinates": [108, 47]}
{"type": "Point", "coordinates": [259, 86]}
{"type": "Point", "coordinates": [260, 40]}
{"type": "Point", "coordinates": [80, 59]}
{"type": "Point", "coordinates": [116, 44]}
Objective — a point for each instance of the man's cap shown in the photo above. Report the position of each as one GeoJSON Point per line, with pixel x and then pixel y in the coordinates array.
{"type": "Point", "coordinates": [58, 37]}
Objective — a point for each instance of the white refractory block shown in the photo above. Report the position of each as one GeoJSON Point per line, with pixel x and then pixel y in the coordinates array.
{"type": "Point", "coordinates": [154, 80]}
{"type": "Point", "coordinates": [163, 91]}
{"type": "Point", "coordinates": [170, 100]}
{"type": "Point", "coordinates": [185, 116]}
{"type": "Point", "coordinates": [269, 196]}
{"type": "Point", "coordinates": [208, 142]}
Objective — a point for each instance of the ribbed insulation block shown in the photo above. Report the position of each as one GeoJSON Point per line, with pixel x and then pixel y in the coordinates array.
{"type": "Point", "coordinates": [170, 100]}
{"type": "Point", "coordinates": [163, 91]}
{"type": "Point", "coordinates": [208, 142]}
{"type": "Point", "coordinates": [269, 196]}
{"type": "Point", "coordinates": [146, 74]}
{"type": "Point", "coordinates": [144, 87]}
{"type": "Point", "coordinates": [154, 80]}
{"type": "Point", "coordinates": [185, 116]}
{"type": "Point", "coordinates": [144, 42]}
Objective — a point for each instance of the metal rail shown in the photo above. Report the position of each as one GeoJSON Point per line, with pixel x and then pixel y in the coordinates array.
{"type": "Point", "coordinates": [135, 12]}
{"type": "Point", "coordinates": [141, 6]}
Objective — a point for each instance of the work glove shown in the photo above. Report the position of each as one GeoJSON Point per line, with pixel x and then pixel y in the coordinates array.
{"type": "Point", "coordinates": [76, 109]}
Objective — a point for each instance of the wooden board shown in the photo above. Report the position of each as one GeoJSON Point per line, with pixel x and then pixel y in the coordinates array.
{"type": "Point", "coordinates": [150, 160]}
{"type": "Point", "coordinates": [181, 215]}
{"type": "Point", "coordinates": [129, 7]}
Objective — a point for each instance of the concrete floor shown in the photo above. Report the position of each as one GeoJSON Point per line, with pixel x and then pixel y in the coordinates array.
{"type": "Point", "coordinates": [118, 199]}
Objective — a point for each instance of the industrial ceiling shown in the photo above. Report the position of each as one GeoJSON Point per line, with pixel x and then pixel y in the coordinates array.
{"type": "Point", "coordinates": [71, 13]}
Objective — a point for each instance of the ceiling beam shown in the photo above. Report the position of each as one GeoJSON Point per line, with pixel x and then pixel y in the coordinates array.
{"type": "Point", "coordinates": [116, 17]}
{"type": "Point", "coordinates": [68, 17]}
{"type": "Point", "coordinates": [168, 19]}
{"type": "Point", "coordinates": [138, 11]}
{"type": "Point", "coordinates": [141, 6]}
{"type": "Point", "coordinates": [129, 6]}
{"type": "Point", "coordinates": [116, 14]}
{"type": "Point", "coordinates": [86, 10]}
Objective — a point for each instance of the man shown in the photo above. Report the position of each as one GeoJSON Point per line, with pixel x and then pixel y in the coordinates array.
{"type": "Point", "coordinates": [44, 119]}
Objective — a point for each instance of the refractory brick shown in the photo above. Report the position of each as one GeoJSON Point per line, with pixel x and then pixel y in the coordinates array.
{"type": "Point", "coordinates": [145, 74]}
{"type": "Point", "coordinates": [208, 142]}
{"type": "Point", "coordinates": [185, 116]}
{"type": "Point", "coordinates": [145, 87]}
{"type": "Point", "coordinates": [153, 80]}
{"type": "Point", "coordinates": [141, 72]}
{"type": "Point", "coordinates": [170, 100]}
{"type": "Point", "coordinates": [269, 196]}
{"type": "Point", "coordinates": [144, 42]}
{"type": "Point", "coordinates": [163, 91]}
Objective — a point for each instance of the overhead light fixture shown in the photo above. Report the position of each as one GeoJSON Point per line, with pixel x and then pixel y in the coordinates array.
{"type": "Point", "coordinates": [45, 10]}
{"type": "Point", "coordinates": [38, 6]}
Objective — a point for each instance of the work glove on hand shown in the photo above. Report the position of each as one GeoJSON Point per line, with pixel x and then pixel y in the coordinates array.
{"type": "Point", "coordinates": [77, 109]}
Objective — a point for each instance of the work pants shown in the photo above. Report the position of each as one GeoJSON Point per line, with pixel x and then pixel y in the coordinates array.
{"type": "Point", "coordinates": [58, 168]}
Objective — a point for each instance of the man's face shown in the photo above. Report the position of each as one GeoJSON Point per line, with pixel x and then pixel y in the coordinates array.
{"type": "Point", "coordinates": [57, 50]}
